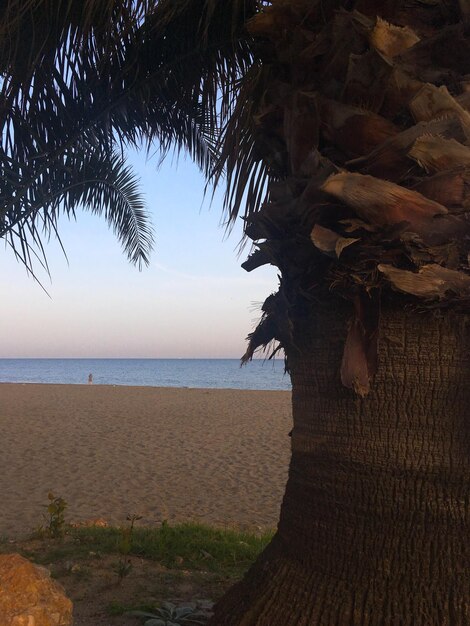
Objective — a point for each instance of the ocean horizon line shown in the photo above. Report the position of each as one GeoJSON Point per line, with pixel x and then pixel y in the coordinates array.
{"type": "Point", "coordinates": [131, 358]}
{"type": "Point", "coordinates": [136, 386]}
{"type": "Point", "coordinates": [192, 372]}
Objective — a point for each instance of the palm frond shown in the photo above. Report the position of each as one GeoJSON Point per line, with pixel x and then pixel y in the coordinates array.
{"type": "Point", "coordinates": [242, 164]}
{"type": "Point", "coordinates": [164, 70]}
{"type": "Point", "coordinates": [98, 182]}
{"type": "Point", "coordinates": [106, 73]}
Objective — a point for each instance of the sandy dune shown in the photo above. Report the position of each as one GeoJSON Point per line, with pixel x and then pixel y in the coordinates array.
{"type": "Point", "coordinates": [212, 455]}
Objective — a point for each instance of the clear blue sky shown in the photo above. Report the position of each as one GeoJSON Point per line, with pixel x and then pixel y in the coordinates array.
{"type": "Point", "coordinates": [193, 301]}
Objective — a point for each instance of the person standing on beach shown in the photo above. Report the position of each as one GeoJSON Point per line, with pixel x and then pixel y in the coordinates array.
{"type": "Point", "coordinates": [90, 379]}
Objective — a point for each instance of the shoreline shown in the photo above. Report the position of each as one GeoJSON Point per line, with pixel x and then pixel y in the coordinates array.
{"type": "Point", "coordinates": [217, 456]}
{"type": "Point", "coordinates": [112, 385]}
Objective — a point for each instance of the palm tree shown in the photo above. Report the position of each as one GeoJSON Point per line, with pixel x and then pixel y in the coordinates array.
{"type": "Point", "coordinates": [344, 126]}
{"type": "Point", "coordinates": [359, 114]}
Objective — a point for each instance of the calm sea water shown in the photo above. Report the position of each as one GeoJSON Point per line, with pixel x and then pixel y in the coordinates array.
{"type": "Point", "coordinates": [204, 373]}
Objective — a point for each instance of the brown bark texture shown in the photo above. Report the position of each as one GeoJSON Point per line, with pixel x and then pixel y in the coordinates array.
{"type": "Point", "coordinates": [375, 522]}
{"type": "Point", "coordinates": [359, 113]}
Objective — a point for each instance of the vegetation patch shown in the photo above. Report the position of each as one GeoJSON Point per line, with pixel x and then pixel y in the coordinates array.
{"type": "Point", "coordinates": [188, 545]}
{"type": "Point", "coordinates": [180, 564]}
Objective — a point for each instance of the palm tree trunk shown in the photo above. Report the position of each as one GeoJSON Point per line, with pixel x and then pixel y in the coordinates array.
{"type": "Point", "coordinates": [375, 522]}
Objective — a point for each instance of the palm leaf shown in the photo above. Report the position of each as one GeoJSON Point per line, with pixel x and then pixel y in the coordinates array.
{"type": "Point", "coordinates": [98, 182]}
{"type": "Point", "coordinates": [105, 72]}
{"type": "Point", "coordinates": [241, 165]}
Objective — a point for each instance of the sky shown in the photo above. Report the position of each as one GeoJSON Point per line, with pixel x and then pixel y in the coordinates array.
{"type": "Point", "coordinates": [193, 301]}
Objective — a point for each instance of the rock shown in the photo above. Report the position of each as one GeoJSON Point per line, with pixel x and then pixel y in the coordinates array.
{"type": "Point", "coordinates": [29, 597]}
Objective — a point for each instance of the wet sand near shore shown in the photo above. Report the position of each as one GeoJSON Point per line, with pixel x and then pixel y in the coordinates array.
{"type": "Point", "coordinates": [217, 456]}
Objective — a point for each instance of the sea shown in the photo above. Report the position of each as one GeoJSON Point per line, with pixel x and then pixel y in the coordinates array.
{"type": "Point", "coordinates": [191, 373]}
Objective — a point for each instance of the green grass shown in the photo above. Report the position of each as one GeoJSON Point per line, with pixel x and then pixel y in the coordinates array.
{"type": "Point", "coordinates": [200, 546]}
{"type": "Point", "coordinates": [182, 546]}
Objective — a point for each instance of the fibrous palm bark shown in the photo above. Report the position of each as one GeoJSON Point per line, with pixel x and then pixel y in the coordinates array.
{"type": "Point", "coordinates": [359, 112]}
{"type": "Point", "coordinates": [375, 518]}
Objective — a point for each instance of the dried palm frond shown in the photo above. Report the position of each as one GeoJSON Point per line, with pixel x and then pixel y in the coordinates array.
{"type": "Point", "coordinates": [450, 188]}
{"type": "Point", "coordinates": [330, 242]}
{"type": "Point", "coordinates": [432, 102]}
{"type": "Point", "coordinates": [355, 131]}
{"type": "Point", "coordinates": [392, 40]}
{"type": "Point", "coordinates": [432, 281]}
{"type": "Point", "coordinates": [391, 159]}
{"type": "Point", "coordinates": [359, 363]}
{"type": "Point", "coordinates": [383, 203]}
{"type": "Point", "coordinates": [436, 154]}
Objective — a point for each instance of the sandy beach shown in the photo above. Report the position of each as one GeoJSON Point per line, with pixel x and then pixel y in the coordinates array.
{"type": "Point", "coordinates": [211, 455]}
